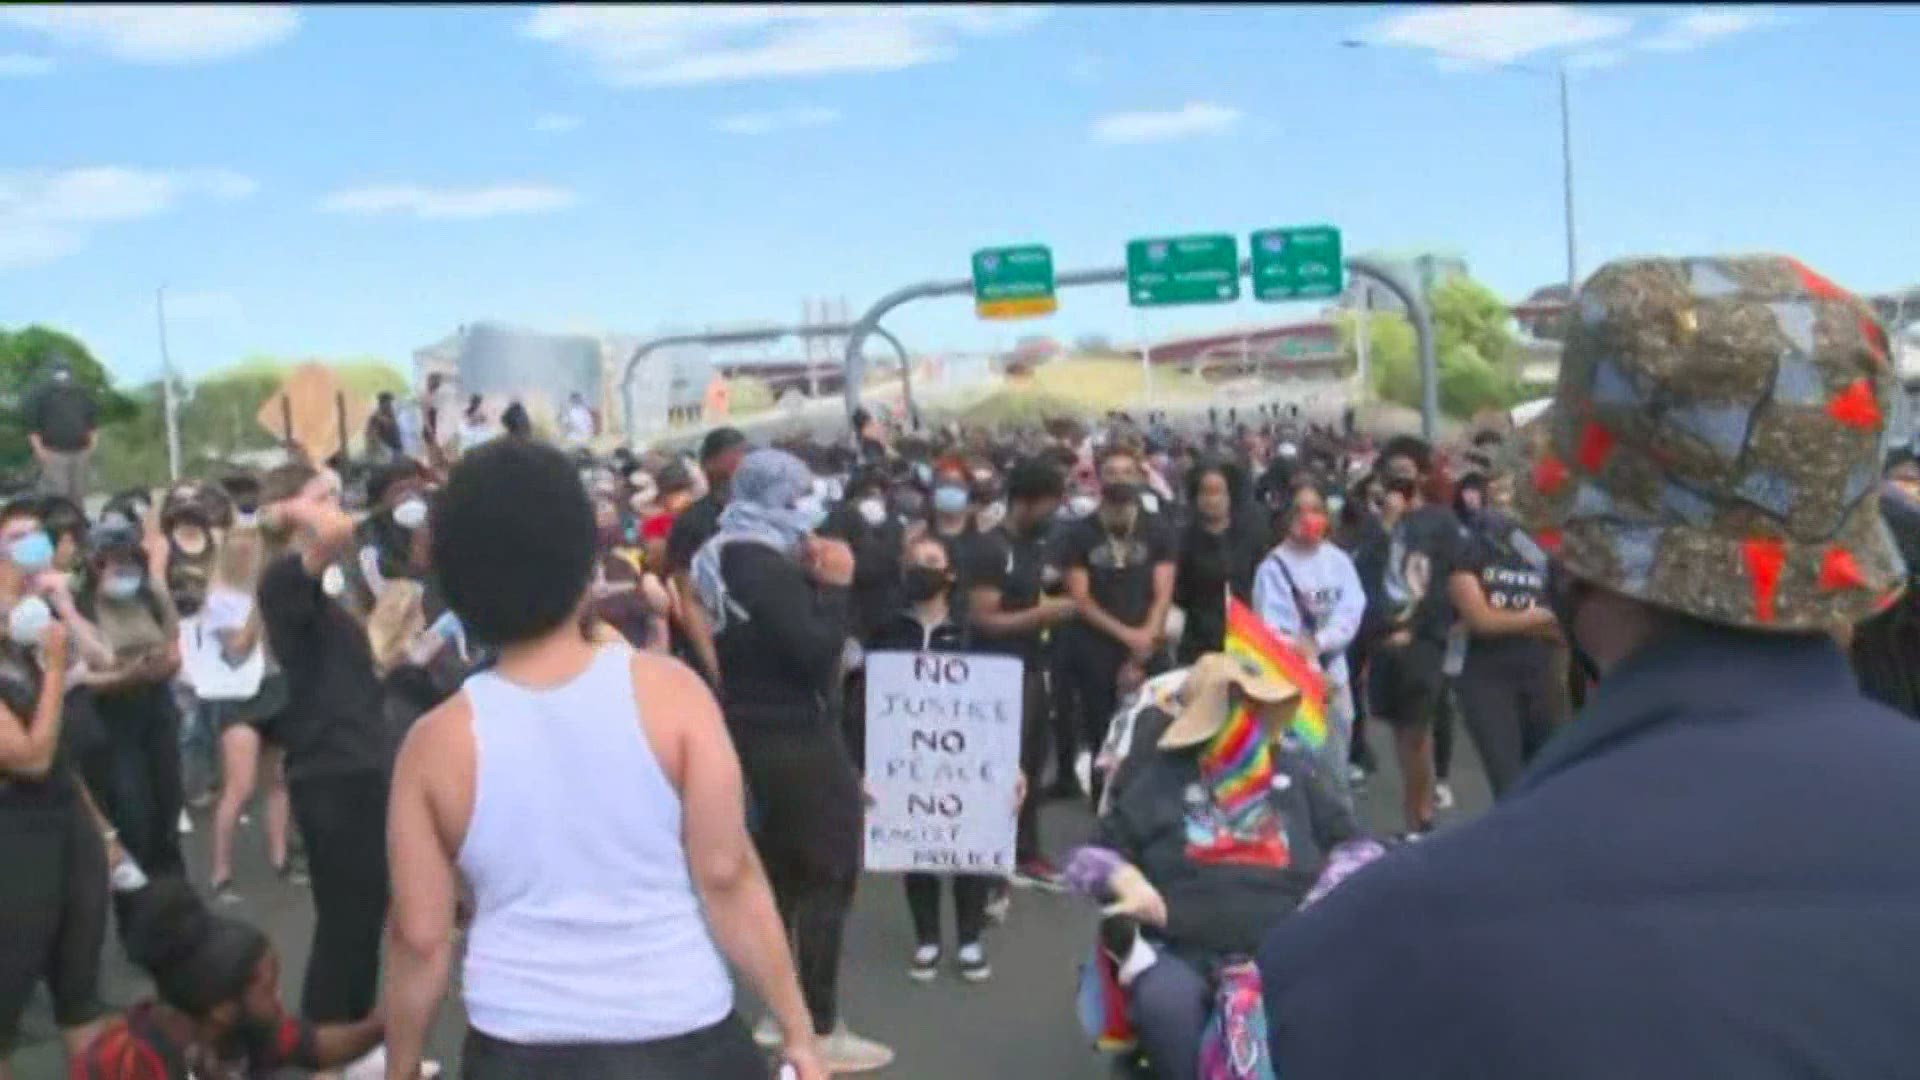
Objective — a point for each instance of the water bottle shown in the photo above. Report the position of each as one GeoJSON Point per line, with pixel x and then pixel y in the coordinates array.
{"type": "Point", "coordinates": [127, 876]}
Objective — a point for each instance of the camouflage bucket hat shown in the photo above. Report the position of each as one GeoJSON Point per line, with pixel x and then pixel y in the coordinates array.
{"type": "Point", "coordinates": [1715, 444]}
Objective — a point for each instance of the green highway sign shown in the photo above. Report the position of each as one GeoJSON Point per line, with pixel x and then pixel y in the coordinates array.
{"type": "Point", "coordinates": [1297, 264]}
{"type": "Point", "coordinates": [1013, 282]}
{"type": "Point", "coordinates": [1183, 270]}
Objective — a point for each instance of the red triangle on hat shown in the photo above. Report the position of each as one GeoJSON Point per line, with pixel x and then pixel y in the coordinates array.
{"type": "Point", "coordinates": [1549, 474]}
{"type": "Point", "coordinates": [1855, 406]}
{"type": "Point", "coordinates": [1764, 559]}
{"type": "Point", "coordinates": [1596, 446]}
{"type": "Point", "coordinates": [1839, 570]}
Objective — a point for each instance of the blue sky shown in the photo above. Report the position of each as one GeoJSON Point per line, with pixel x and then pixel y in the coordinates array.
{"type": "Point", "coordinates": [339, 181]}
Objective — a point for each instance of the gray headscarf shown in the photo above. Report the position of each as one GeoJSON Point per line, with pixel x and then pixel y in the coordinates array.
{"type": "Point", "coordinates": [769, 501]}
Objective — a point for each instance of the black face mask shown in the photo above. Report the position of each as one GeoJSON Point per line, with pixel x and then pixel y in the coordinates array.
{"type": "Point", "coordinates": [1123, 493]}
{"type": "Point", "coordinates": [924, 583]}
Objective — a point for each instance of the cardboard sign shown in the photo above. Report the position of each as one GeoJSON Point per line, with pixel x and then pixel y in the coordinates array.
{"type": "Point", "coordinates": [943, 762]}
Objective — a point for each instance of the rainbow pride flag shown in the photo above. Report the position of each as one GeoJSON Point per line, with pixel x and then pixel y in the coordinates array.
{"type": "Point", "coordinates": [1250, 639]}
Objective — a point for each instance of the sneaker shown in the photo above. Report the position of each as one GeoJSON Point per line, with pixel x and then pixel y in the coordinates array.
{"type": "Point", "coordinates": [926, 964]}
{"type": "Point", "coordinates": [1039, 873]}
{"type": "Point", "coordinates": [846, 1052]}
{"type": "Point", "coordinates": [293, 874]}
{"type": "Point", "coordinates": [223, 892]}
{"type": "Point", "coordinates": [186, 824]}
{"type": "Point", "coordinates": [973, 963]}
{"type": "Point", "coordinates": [999, 902]}
{"type": "Point", "coordinates": [1357, 776]}
{"type": "Point", "coordinates": [1443, 796]}
{"type": "Point", "coordinates": [766, 1034]}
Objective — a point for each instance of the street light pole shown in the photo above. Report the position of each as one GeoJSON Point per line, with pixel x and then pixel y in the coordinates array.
{"type": "Point", "coordinates": [169, 404]}
{"type": "Point", "coordinates": [1566, 164]}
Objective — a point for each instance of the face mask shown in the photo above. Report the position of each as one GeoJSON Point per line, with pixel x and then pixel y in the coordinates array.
{"type": "Point", "coordinates": [411, 514]}
{"type": "Point", "coordinates": [1311, 528]}
{"type": "Point", "coordinates": [991, 515]}
{"type": "Point", "coordinates": [121, 586]}
{"type": "Point", "coordinates": [1081, 505]}
{"type": "Point", "coordinates": [811, 511]}
{"type": "Point", "coordinates": [923, 473]}
{"type": "Point", "coordinates": [1335, 504]}
{"type": "Point", "coordinates": [33, 552]}
{"type": "Point", "coordinates": [1122, 493]}
{"type": "Point", "coordinates": [1213, 507]}
{"type": "Point", "coordinates": [872, 511]}
{"type": "Point", "coordinates": [333, 582]}
{"type": "Point", "coordinates": [923, 584]}
{"type": "Point", "coordinates": [909, 503]}
{"type": "Point", "coordinates": [948, 499]}
{"type": "Point", "coordinates": [28, 620]}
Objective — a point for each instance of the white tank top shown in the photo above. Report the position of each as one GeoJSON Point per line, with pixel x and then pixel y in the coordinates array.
{"type": "Point", "coordinates": [586, 925]}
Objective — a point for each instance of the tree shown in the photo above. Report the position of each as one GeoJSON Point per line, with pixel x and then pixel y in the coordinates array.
{"type": "Point", "coordinates": [1475, 350]}
{"type": "Point", "coordinates": [27, 357]}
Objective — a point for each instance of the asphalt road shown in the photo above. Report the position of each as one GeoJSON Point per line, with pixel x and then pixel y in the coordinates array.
{"type": "Point", "coordinates": [1020, 1024]}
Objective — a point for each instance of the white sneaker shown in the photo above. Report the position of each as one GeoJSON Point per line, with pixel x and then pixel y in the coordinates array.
{"type": "Point", "coordinates": [186, 824]}
{"type": "Point", "coordinates": [926, 964]}
{"type": "Point", "coordinates": [1083, 770]}
{"type": "Point", "coordinates": [1443, 796]}
{"type": "Point", "coordinates": [973, 964]}
{"type": "Point", "coordinates": [767, 1035]}
{"type": "Point", "coordinates": [846, 1052]}
{"type": "Point", "coordinates": [999, 902]}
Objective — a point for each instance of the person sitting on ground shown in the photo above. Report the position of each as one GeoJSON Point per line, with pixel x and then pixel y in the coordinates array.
{"type": "Point", "coordinates": [217, 1009]}
{"type": "Point", "coordinates": [1206, 873]}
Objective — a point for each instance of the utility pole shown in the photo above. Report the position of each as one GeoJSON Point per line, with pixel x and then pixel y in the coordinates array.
{"type": "Point", "coordinates": [1566, 165]}
{"type": "Point", "coordinates": [1362, 342]}
{"type": "Point", "coordinates": [169, 404]}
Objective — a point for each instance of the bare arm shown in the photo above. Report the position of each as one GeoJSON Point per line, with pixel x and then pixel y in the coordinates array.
{"type": "Point", "coordinates": [94, 650]}
{"type": "Point", "coordinates": [1079, 586]}
{"type": "Point", "coordinates": [693, 621]}
{"type": "Point", "coordinates": [1484, 620]}
{"type": "Point", "coordinates": [28, 751]}
{"type": "Point", "coordinates": [420, 848]}
{"type": "Point", "coordinates": [726, 873]}
{"type": "Point", "coordinates": [983, 607]}
{"type": "Point", "coordinates": [329, 528]}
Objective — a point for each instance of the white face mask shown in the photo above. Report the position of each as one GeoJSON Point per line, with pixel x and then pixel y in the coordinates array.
{"type": "Point", "coordinates": [333, 582]}
{"type": "Point", "coordinates": [1080, 506]}
{"type": "Point", "coordinates": [872, 511]}
{"type": "Point", "coordinates": [411, 514]}
{"type": "Point", "coordinates": [991, 515]}
{"type": "Point", "coordinates": [28, 620]}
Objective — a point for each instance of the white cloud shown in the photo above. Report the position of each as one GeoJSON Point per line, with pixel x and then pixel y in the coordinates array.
{"type": "Point", "coordinates": [681, 45]}
{"type": "Point", "coordinates": [1685, 33]}
{"type": "Point", "coordinates": [159, 33]}
{"type": "Point", "coordinates": [766, 123]}
{"type": "Point", "coordinates": [23, 66]}
{"type": "Point", "coordinates": [48, 214]}
{"type": "Point", "coordinates": [557, 123]}
{"type": "Point", "coordinates": [1189, 121]}
{"type": "Point", "coordinates": [446, 203]}
{"type": "Point", "coordinates": [1496, 33]}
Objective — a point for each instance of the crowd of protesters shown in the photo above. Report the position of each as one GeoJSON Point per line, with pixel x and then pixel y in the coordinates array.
{"type": "Point", "coordinates": [591, 728]}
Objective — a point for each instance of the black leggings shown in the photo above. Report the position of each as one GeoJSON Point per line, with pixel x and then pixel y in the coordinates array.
{"type": "Point", "coordinates": [722, 1052]}
{"type": "Point", "coordinates": [1510, 710]}
{"type": "Point", "coordinates": [811, 813]}
{"type": "Point", "coordinates": [343, 822]}
{"type": "Point", "coordinates": [53, 914]}
{"type": "Point", "coordinates": [137, 775]}
{"type": "Point", "coordinates": [1064, 705]}
{"type": "Point", "coordinates": [1033, 758]}
{"type": "Point", "coordinates": [969, 906]}
{"type": "Point", "coordinates": [1093, 672]}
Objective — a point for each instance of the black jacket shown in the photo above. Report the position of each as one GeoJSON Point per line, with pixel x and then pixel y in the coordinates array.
{"type": "Point", "coordinates": [777, 663]}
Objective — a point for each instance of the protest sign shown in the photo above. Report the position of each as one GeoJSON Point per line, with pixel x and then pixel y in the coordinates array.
{"type": "Point", "coordinates": [943, 759]}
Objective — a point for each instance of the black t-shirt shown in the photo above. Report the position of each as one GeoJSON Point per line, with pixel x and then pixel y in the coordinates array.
{"type": "Point", "coordinates": [1211, 564]}
{"type": "Point", "coordinates": [1496, 551]}
{"type": "Point", "coordinates": [1120, 568]}
{"type": "Point", "coordinates": [20, 679]}
{"type": "Point", "coordinates": [63, 415]}
{"type": "Point", "coordinates": [963, 550]}
{"type": "Point", "coordinates": [335, 720]}
{"type": "Point", "coordinates": [692, 529]}
{"type": "Point", "coordinates": [877, 551]}
{"type": "Point", "coordinates": [1425, 548]}
{"type": "Point", "coordinates": [1018, 567]}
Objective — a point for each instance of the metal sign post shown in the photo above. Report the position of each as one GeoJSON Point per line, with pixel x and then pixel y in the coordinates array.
{"type": "Point", "coordinates": [1416, 305]}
